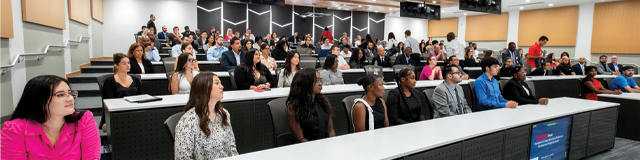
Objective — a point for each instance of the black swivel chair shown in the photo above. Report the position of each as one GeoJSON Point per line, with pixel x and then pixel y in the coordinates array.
{"type": "Point", "coordinates": [348, 105]}
{"type": "Point", "coordinates": [429, 93]}
{"type": "Point", "coordinates": [233, 79]}
{"type": "Point", "coordinates": [171, 124]}
{"type": "Point", "coordinates": [281, 133]}
{"type": "Point", "coordinates": [473, 97]}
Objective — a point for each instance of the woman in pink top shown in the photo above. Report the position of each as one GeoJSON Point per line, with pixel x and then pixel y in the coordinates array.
{"type": "Point", "coordinates": [431, 71]}
{"type": "Point", "coordinates": [45, 124]}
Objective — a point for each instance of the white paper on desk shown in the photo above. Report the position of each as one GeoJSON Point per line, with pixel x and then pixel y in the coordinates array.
{"type": "Point", "coordinates": [140, 98]}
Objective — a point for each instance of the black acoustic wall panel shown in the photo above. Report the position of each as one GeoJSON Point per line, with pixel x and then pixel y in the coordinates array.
{"type": "Point", "coordinates": [281, 20]}
{"type": "Point", "coordinates": [360, 24]}
{"type": "Point", "coordinates": [376, 26]}
{"type": "Point", "coordinates": [321, 22]}
{"type": "Point", "coordinates": [341, 24]}
{"type": "Point", "coordinates": [234, 16]}
{"type": "Point", "coordinates": [259, 19]}
{"type": "Point", "coordinates": [304, 26]}
{"type": "Point", "coordinates": [209, 14]}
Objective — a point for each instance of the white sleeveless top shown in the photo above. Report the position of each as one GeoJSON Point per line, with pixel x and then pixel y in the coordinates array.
{"type": "Point", "coordinates": [370, 112]}
{"type": "Point", "coordinates": [183, 85]}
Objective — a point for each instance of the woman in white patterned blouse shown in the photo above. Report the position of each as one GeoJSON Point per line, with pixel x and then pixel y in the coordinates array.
{"type": "Point", "coordinates": [204, 131]}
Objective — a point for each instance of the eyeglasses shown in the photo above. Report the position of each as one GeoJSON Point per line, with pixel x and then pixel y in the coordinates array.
{"type": "Point", "coordinates": [65, 96]}
{"type": "Point", "coordinates": [191, 60]}
{"type": "Point", "coordinates": [456, 73]}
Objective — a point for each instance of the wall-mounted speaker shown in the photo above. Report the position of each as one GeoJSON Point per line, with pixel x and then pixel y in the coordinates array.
{"type": "Point", "coordinates": [486, 6]}
{"type": "Point", "coordinates": [419, 10]}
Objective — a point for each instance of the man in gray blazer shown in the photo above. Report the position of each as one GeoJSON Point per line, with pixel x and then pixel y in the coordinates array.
{"type": "Point", "coordinates": [602, 68]}
{"type": "Point", "coordinates": [448, 97]}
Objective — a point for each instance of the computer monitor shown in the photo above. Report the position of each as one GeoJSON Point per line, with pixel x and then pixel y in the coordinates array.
{"type": "Point", "coordinates": [550, 139]}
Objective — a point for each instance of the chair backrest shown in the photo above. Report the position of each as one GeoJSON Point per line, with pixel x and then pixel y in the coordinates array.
{"type": "Point", "coordinates": [429, 93]}
{"type": "Point", "coordinates": [608, 81]}
{"type": "Point", "coordinates": [168, 63]}
{"type": "Point", "coordinates": [386, 94]}
{"type": "Point", "coordinates": [4, 119]}
{"type": "Point", "coordinates": [603, 82]}
{"type": "Point", "coordinates": [393, 59]}
{"type": "Point", "coordinates": [304, 51]}
{"type": "Point", "coordinates": [101, 79]}
{"type": "Point", "coordinates": [171, 123]}
{"type": "Point", "coordinates": [398, 68]}
{"type": "Point", "coordinates": [308, 58]}
{"type": "Point", "coordinates": [348, 105]}
{"type": "Point", "coordinates": [532, 86]}
{"type": "Point", "coordinates": [527, 67]}
{"type": "Point", "coordinates": [233, 79]}
{"type": "Point", "coordinates": [307, 64]}
{"type": "Point", "coordinates": [278, 71]}
{"type": "Point", "coordinates": [473, 98]}
{"type": "Point", "coordinates": [281, 133]}
{"type": "Point", "coordinates": [371, 69]}
{"type": "Point", "coordinates": [502, 83]}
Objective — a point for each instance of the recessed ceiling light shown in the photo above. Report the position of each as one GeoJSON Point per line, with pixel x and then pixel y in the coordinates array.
{"type": "Point", "coordinates": [442, 11]}
{"type": "Point", "coordinates": [339, 8]}
{"type": "Point", "coordinates": [521, 7]}
{"type": "Point", "coordinates": [434, 2]}
{"type": "Point", "coordinates": [550, 4]}
{"type": "Point", "coordinates": [528, 1]}
{"type": "Point", "coordinates": [465, 13]}
{"type": "Point", "coordinates": [359, 6]}
{"type": "Point", "coordinates": [374, 0]}
{"type": "Point", "coordinates": [390, 9]}
{"type": "Point", "coordinates": [376, 11]}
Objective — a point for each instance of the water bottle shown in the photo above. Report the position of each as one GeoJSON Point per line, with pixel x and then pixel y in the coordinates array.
{"type": "Point", "coordinates": [375, 63]}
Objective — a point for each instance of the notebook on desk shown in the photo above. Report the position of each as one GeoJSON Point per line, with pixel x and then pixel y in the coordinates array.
{"type": "Point", "coordinates": [141, 98]}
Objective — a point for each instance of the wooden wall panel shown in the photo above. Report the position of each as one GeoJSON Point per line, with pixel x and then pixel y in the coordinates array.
{"type": "Point", "coordinates": [489, 27]}
{"type": "Point", "coordinates": [615, 27]}
{"type": "Point", "coordinates": [6, 25]}
{"type": "Point", "coordinates": [559, 24]}
{"type": "Point", "coordinates": [80, 11]}
{"type": "Point", "coordinates": [97, 11]}
{"type": "Point", "coordinates": [45, 12]}
{"type": "Point", "coordinates": [442, 27]}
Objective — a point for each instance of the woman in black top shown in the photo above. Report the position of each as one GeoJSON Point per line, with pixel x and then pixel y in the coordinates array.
{"type": "Point", "coordinates": [518, 90]}
{"type": "Point", "coordinates": [121, 84]}
{"type": "Point", "coordinates": [363, 112]}
{"type": "Point", "coordinates": [280, 52]}
{"type": "Point", "coordinates": [139, 62]}
{"type": "Point", "coordinates": [309, 114]}
{"type": "Point", "coordinates": [592, 87]}
{"type": "Point", "coordinates": [505, 71]}
{"type": "Point", "coordinates": [251, 74]}
{"type": "Point", "coordinates": [404, 105]}
{"type": "Point", "coordinates": [356, 60]}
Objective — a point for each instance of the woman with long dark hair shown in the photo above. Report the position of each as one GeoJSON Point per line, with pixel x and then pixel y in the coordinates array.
{"type": "Point", "coordinates": [370, 111]}
{"type": "Point", "coordinates": [45, 124]}
{"type": "Point", "coordinates": [291, 66]}
{"type": "Point", "coordinates": [356, 60]}
{"type": "Point", "coordinates": [247, 45]}
{"type": "Point", "coordinates": [403, 102]}
{"type": "Point", "coordinates": [309, 114]}
{"type": "Point", "coordinates": [469, 60]}
{"type": "Point", "coordinates": [280, 52]}
{"type": "Point", "coordinates": [187, 48]}
{"type": "Point", "coordinates": [204, 131]}
{"type": "Point", "coordinates": [252, 74]}
{"type": "Point", "coordinates": [592, 86]}
{"type": "Point", "coordinates": [183, 76]}
{"type": "Point", "coordinates": [330, 73]}
{"type": "Point", "coordinates": [391, 41]}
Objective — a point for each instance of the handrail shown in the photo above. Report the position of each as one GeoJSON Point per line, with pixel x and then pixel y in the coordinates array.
{"type": "Point", "coordinates": [20, 57]}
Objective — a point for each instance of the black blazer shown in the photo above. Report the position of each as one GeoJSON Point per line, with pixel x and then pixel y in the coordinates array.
{"type": "Point", "coordinates": [539, 72]}
{"type": "Point", "coordinates": [613, 69]}
{"type": "Point", "coordinates": [291, 39]}
{"type": "Point", "coordinates": [576, 68]}
{"type": "Point", "coordinates": [135, 67]}
{"type": "Point", "coordinates": [385, 63]}
{"type": "Point", "coordinates": [505, 72]}
{"type": "Point", "coordinates": [397, 108]}
{"type": "Point", "coordinates": [228, 60]}
{"type": "Point", "coordinates": [310, 46]}
{"type": "Point", "coordinates": [402, 59]}
{"type": "Point", "coordinates": [245, 79]}
{"type": "Point", "coordinates": [514, 91]}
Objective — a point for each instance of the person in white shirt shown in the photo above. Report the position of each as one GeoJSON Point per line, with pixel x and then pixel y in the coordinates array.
{"type": "Point", "coordinates": [358, 42]}
{"type": "Point", "coordinates": [411, 42]}
{"type": "Point", "coordinates": [345, 51]}
{"type": "Point", "coordinates": [326, 44]}
{"type": "Point", "coordinates": [251, 36]}
{"type": "Point", "coordinates": [391, 41]}
{"type": "Point", "coordinates": [342, 64]}
{"type": "Point", "coordinates": [176, 50]}
{"type": "Point", "coordinates": [454, 47]}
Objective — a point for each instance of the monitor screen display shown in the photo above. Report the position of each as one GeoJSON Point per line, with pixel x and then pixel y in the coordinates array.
{"type": "Point", "coordinates": [550, 139]}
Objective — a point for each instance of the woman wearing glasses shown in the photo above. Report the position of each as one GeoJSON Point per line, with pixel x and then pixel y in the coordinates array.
{"type": "Point", "coordinates": [45, 124]}
{"type": "Point", "coordinates": [182, 76]}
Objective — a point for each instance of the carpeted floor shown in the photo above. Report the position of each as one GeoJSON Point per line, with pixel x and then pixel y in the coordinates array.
{"type": "Point", "coordinates": [625, 149]}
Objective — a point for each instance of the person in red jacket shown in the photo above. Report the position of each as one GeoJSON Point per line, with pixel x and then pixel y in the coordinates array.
{"type": "Point", "coordinates": [328, 33]}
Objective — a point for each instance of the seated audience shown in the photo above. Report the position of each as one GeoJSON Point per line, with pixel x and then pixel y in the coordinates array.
{"type": "Point", "coordinates": [259, 42]}
{"type": "Point", "coordinates": [164, 34]}
{"type": "Point", "coordinates": [187, 49]}
{"type": "Point", "coordinates": [344, 44]}
{"type": "Point", "coordinates": [291, 66]}
{"type": "Point", "coordinates": [487, 54]}
{"type": "Point", "coordinates": [469, 60]}
{"type": "Point", "coordinates": [565, 68]}
{"type": "Point", "coordinates": [309, 114]}
{"type": "Point", "coordinates": [246, 45]}
{"type": "Point", "coordinates": [204, 131]}
{"type": "Point", "coordinates": [505, 71]}
{"type": "Point", "coordinates": [252, 74]}
{"type": "Point", "coordinates": [602, 67]}
{"type": "Point", "coordinates": [175, 50]}
{"type": "Point", "coordinates": [431, 71]}
{"type": "Point", "coordinates": [378, 45]}
{"type": "Point", "coordinates": [357, 59]}
{"type": "Point", "coordinates": [330, 73]}
{"type": "Point", "coordinates": [269, 40]}
{"type": "Point", "coordinates": [391, 41]}
{"type": "Point", "coordinates": [46, 115]}
{"type": "Point", "coordinates": [230, 59]}
{"type": "Point", "coordinates": [511, 53]}
{"type": "Point", "coordinates": [215, 52]}
{"type": "Point", "coordinates": [326, 44]}
{"type": "Point", "coordinates": [453, 60]}
{"type": "Point", "coordinates": [448, 97]}
{"type": "Point", "coordinates": [358, 41]}
{"type": "Point", "coordinates": [183, 76]}
{"type": "Point", "coordinates": [342, 64]}
{"type": "Point", "coordinates": [370, 111]}
{"type": "Point", "coordinates": [280, 52]}
{"type": "Point", "coordinates": [266, 59]}
{"type": "Point", "coordinates": [308, 44]}
{"type": "Point", "coordinates": [437, 52]}
{"type": "Point", "coordinates": [552, 58]}
{"type": "Point", "coordinates": [397, 51]}
{"type": "Point", "coordinates": [121, 84]}
{"type": "Point", "coordinates": [518, 90]}
{"type": "Point", "coordinates": [592, 87]}
{"type": "Point", "coordinates": [579, 68]}
{"type": "Point", "coordinates": [152, 53]}
{"type": "Point", "coordinates": [174, 40]}
{"type": "Point", "coordinates": [404, 102]}
{"type": "Point", "coordinates": [614, 66]}
{"type": "Point", "coordinates": [141, 64]}
{"type": "Point", "coordinates": [344, 51]}
{"type": "Point", "coordinates": [624, 82]}
{"type": "Point", "coordinates": [405, 59]}
{"type": "Point", "coordinates": [229, 35]}
{"type": "Point", "coordinates": [381, 59]}
{"type": "Point", "coordinates": [294, 38]}
{"type": "Point", "coordinates": [565, 54]}
{"type": "Point", "coordinates": [369, 51]}
{"type": "Point", "coordinates": [211, 41]}
{"type": "Point", "coordinates": [545, 70]}
{"type": "Point", "coordinates": [487, 88]}
{"type": "Point", "coordinates": [201, 41]}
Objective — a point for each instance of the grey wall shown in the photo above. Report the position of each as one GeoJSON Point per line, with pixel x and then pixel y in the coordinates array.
{"type": "Point", "coordinates": [36, 38]}
{"type": "Point", "coordinates": [96, 37]}
{"type": "Point", "coordinates": [80, 53]}
{"type": "Point", "coordinates": [6, 107]}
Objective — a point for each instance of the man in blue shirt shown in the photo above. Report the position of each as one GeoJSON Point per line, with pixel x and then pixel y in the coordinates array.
{"type": "Point", "coordinates": [214, 53]}
{"type": "Point", "coordinates": [487, 88]}
{"type": "Point", "coordinates": [624, 81]}
{"type": "Point", "coordinates": [152, 53]}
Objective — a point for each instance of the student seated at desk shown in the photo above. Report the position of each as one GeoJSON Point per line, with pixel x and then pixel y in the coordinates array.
{"type": "Point", "coordinates": [487, 88]}
{"type": "Point", "coordinates": [505, 71]}
{"type": "Point", "coordinates": [564, 68]}
{"type": "Point", "coordinates": [266, 59]}
{"type": "Point", "coordinates": [183, 76]}
{"type": "Point", "coordinates": [121, 84]}
{"type": "Point", "coordinates": [453, 60]}
{"type": "Point", "coordinates": [45, 124]}
{"type": "Point", "coordinates": [404, 102]}
{"type": "Point", "coordinates": [291, 66]}
{"type": "Point", "coordinates": [330, 73]}
{"type": "Point", "coordinates": [430, 71]}
{"type": "Point", "coordinates": [405, 59]}
{"type": "Point", "coordinates": [518, 90]}
{"type": "Point", "coordinates": [215, 52]}
{"type": "Point", "coordinates": [448, 97]}
{"type": "Point", "coordinates": [342, 64]}
{"type": "Point", "coordinates": [233, 57]}
{"type": "Point", "coordinates": [187, 48]}
{"type": "Point", "coordinates": [204, 131]}
{"type": "Point", "coordinates": [309, 114]}
{"type": "Point", "coordinates": [365, 115]}
{"type": "Point", "coordinates": [624, 81]}
{"type": "Point", "coordinates": [381, 59]}
{"type": "Point", "coordinates": [280, 51]}
{"type": "Point", "coordinates": [592, 87]}
{"type": "Point", "coordinates": [357, 59]}
{"type": "Point", "coordinates": [252, 74]}
{"type": "Point", "coordinates": [140, 64]}
{"type": "Point", "coordinates": [545, 70]}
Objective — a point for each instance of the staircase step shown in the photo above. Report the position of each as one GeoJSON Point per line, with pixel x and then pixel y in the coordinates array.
{"type": "Point", "coordinates": [89, 103]}
{"type": "Point", "coordinates": [102, 62]}
{"type": "Point", "coordinates": [86, 89]}
{"type": "Point", "coordinates": [97, 69]}
{"type": "Point", "coordinates": [86, 77]}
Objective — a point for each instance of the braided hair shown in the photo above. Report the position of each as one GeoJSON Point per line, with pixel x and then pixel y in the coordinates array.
{"type": "Point", "coordinates": [403, 73]}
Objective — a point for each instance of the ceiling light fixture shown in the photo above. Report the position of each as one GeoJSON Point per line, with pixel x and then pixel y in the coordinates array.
{"type": "Point", "coordinates": [465, 13]}
{"type": "Point", "coordinates": [521, 7]}
{"type": "Point", "coordinates": [339, 8]}
{"type": "Point", "coordinates": [359, 6]}
{"type": "Point", "coordinates": [374, 0]}
{"type": "Point", "coordinates": [390, 8]}
{"type": "Point", "coordinates": [434, 2]}
{"type": "Point", "coordinates": [550, 4]}
{"type": "Point", "coordinates": [528, 1]}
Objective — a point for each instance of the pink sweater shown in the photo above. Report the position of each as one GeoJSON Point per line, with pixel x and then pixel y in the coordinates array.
{"type": "Point", "coordinates": [25, 139]}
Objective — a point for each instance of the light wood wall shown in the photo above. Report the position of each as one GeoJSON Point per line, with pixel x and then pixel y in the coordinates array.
{"type": "Point", "coordinates": [559, 24]}
{"type": "Point", "coordinates": [97, 11]}
{"type": "Point", "coordinates": [80, 11]}
{"type": "Point", "coordinates": [45, 12]}
{"type": "Point", "coordinates": [6, 25]}
{"type": "Point", "coordinates": [489, 27]}
{"type": "Point", "coordinates": [616, 27]}
{"type": "Point", "coordinates": [442, 27]}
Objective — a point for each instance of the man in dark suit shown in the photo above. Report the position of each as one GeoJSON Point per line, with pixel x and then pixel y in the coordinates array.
{"type": "Point", "coordinates": [269, 41]}
{"type": "Point", "coordinates": [579, 68]}
{"type": "Point", "coordinates": [405, 58]}
{"type": "Point", "coordinates": [140, 32]}
{"type": "Point", "coordinates": [513, 53]}
{"type": "Point", "coordinates": [381, 59]}
{"type": "Point", "coordinates": [614, 66]}
{"type": "Point", "coordinates": [543, 71]}
{"type": "Point", "coordinates": [201, 41]}
{"type": "Point", "coordinates": [233, 57]}
{"type": "Point", "coordinates": [188, 32]}
{"type": "Point", "coordinates": [151, 24]}
{"type": "Point", "coordinates": [294, 38]}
